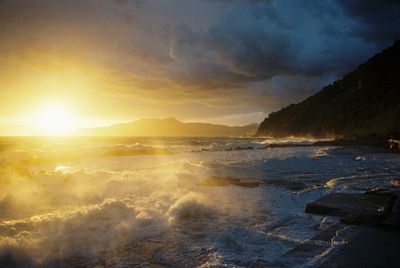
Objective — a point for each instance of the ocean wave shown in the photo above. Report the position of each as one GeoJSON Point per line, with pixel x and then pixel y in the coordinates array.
{"type": "Point", "coordinates": [191, 207]}
{"type": "Point", "coordinates": [360, 182]}
{"type": "Point", "coordinates": [289, 141]}
{"type": "Point", "coordinates": [84, 232]}
{"type": "Point", "coordinates": [90, 230]}
{"type": "Point", "coordinates": [127, 150]}
{"type": "Point", "coordinates": [114, 210]}
{"type": "Point", "coordinates": [75, 152]}
{"type": "Point", "coordinates": [244, 246]}
{"type": "Point", "coordinates": [233, 146]}
{"type": "Point", "coordinates": [254, 144]}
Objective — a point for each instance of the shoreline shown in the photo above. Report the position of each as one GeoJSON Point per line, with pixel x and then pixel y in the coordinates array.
{"type": "Point", "coordinates": [381, 143]}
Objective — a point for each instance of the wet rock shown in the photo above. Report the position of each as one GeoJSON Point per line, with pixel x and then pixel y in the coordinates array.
{"type": "Point", "coordinates": [225, 181]}
{"type": "Point", "coordinates": [381, 191]}
{"type": "Point", "coordinates": [264, 264]}
{"type": "Point", "coordinates": [354, 207]}
{"type": "Point", "coordinates": [359, 219]}
{"type": "Point", "coordinates": [329, 233]}
{"type": "Point", "coordinates": [291, 185]}
{"type": "Point", "coordinates": [246, 183]}
{"type": "Point", "coordinates": [303, 253]}
{"type": "Point", "coordinates": [371, 247]}
{"type": "Point", "coordinates": [238, 148]}
{"type": "Point", "coordinates": [393, 219]}
{"type": "Point", "coordinates": [216, 181]}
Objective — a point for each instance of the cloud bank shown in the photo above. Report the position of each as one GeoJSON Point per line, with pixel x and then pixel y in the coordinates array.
{"type": "Point", "coordinates": [193, 59]}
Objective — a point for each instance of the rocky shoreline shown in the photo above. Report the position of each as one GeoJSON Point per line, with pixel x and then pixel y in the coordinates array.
{"type": "Point", "coordinates": [370, 142]}
{"type": "Point", "coordinates": [372, 221]}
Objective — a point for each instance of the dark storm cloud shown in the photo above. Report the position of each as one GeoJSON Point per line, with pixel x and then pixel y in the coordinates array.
{"type": "Point", "coordinates": [257, 40]}
{"type": "Point", "coordinates": [379, 20]}
{"type": "Point", "coordinates": [268, 53]}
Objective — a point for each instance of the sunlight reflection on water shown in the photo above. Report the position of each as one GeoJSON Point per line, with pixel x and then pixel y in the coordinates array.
{"type": "Point", "coordinates": [63, 207]}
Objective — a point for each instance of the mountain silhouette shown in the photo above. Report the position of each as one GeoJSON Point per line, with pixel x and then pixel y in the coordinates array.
{"type": "Point", "coordinates": [364, 103]}
{"type": "Point", "coordinates": [169, 127]}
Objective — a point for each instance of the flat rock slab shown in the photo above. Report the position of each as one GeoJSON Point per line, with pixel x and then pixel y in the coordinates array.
{"type": "Point", "coordinates": [329, 233]}
{"type": "Point", "coordinates": [225, 181]}
{"type": "Point", "coordinates": [393, 219]}
{"type": "Point", "coordinates": [371, 247]}
{"type": "Point", "coordinates": [302, 253]}
{"type": "Point", "coordinates": [353, 205]}
{"type": "Point", "coordinates": [308, 249]}
{"type": "Point", "coordinates": [291, 185]}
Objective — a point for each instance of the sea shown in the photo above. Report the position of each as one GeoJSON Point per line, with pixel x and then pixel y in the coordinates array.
{"type": "Point", "coordinates": [140, 202]}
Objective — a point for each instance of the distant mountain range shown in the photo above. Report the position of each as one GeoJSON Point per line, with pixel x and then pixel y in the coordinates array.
{"type": "Point", "coordinates": [169, 127]}
{"type": "Point", "coordinates": [364, 103]}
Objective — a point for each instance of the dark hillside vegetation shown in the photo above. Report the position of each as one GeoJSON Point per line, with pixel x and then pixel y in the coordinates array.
{"type": "Point", "coordinates": [364, 103]}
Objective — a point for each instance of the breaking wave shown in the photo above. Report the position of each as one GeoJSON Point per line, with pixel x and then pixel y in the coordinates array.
{"type": "Point", "coordinates": [109, 206]}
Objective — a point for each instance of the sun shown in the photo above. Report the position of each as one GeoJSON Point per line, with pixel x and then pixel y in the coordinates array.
{"type": "Point", "coordinates": [55, 119]}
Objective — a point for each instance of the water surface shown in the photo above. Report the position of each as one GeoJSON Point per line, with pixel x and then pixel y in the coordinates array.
{"type": "Point", "coordinates": [123, 202]}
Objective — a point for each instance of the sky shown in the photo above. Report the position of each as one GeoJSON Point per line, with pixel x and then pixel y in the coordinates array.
{"type": "Point", "coordinates": [227, 62]}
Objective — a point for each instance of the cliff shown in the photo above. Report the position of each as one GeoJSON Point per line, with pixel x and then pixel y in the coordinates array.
{"type": "Point", "coordinates": [365, 103]}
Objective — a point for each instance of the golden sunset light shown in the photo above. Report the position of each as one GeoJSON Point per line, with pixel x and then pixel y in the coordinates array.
{"type": "Point", "coordinates": [199, 133]}
{"type": "Point", "coordinates": [56, 119]}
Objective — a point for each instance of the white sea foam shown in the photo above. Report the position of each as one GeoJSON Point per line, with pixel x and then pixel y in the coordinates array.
{"type": "Point", "coordinates": [57, 210]}
{"type": "Point", "coordinates": [360, 158]}
{"type": "Point", "coordinates": [320, 152]}
{"type": "Point", "coordinates": [191, 207]}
